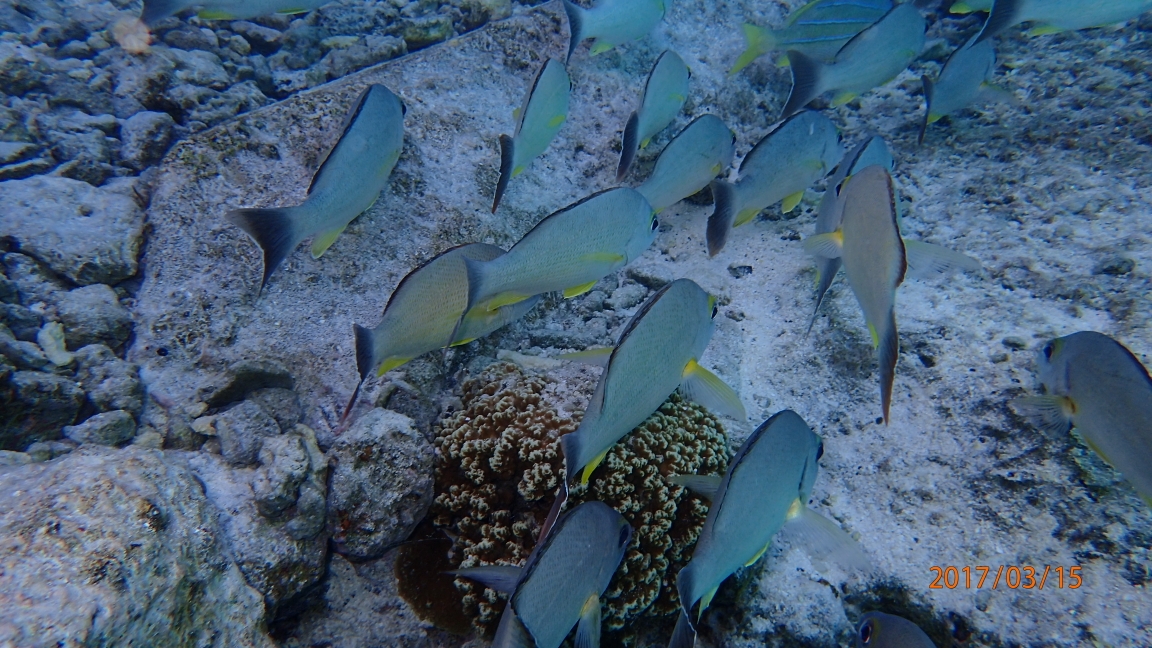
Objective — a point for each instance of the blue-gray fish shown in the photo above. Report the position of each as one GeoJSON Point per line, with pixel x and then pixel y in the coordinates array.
{"type": "Point", "coordinates": [664, 95]}
{"type": "Point", "coordinates": [658, 351]}
{"type": "Point", "coordinates": [767, 486]}
{"type": "Point", "coordinates": [872, 58]}
{"type": "Point", "coordinates": [873, 150]}
{"type": "Point", "coordinates": [690, 161]}
{"type": "Point", "coordinates": [539, 118]}
{"type": "Point", "coordinates": [879, 630]}
{"type": "Point", "coordinates": [611, 22]}
{"type": "Point", "coordinates": [970, 6]}
{"type": "Point", "coordinates": [561, 583]}
{"type": "Point", "coordinates": [1053, 16]}
{"type": "Point", "coordinates": [569, 250]}
{"type": "Point", "coordinates": [964, 79]}
{"type": "Point", "coordinates": [800, 151]}
{"type": "Point", "coordinates": [156, 10]}
{"type": "Point", "coordinates": [348, 181]}
{"type": "Point", "coordinates": [818, 29]}
{"type": "Point", "coordinates": [1095, 384]}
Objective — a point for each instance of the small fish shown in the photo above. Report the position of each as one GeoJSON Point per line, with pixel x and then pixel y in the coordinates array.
{"type": "Point", "coordinates": [348, 181]}
{"type": "Point", "coordinates": [872, 58]}
{"type": "Point", "coordinates": [964, 79]}
{"type": "Point", "coordinates": [569, 250]}
{"type": "Point", "coordinates": [561, 583]}
{"type": "Point", "coordinates": [690, 161]}
{"type": "Point", "coordinates": [765, 491]}
{"type": "Point", "coordinates": [664, 95]}
{"type": "Point", "coordinates": [1095, 384]}
{"type": "Point", "coordinates": [156, 10]}
{"type": "Point", "coordinates": [1054, 16]}
{"type": "Point", "coordinates": [539, 118]}
{"type": "Point", "coordinates": [970, 6]}
{"type": "Point", "coordinates": [879, 630]}
{"type": "Point", "coordinates": [818, 29]}
{"type": "Point", "coordinates": [873, 150]}
{"type": "Point", "coordinates": [801, 150]}
{"type": "Point", "coordinates": [611, 22]}
{"type": "Point", "coordinates": [658, 351]}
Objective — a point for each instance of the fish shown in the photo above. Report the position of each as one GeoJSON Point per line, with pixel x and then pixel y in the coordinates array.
{"type": "Point", "coordinates": [964, 79]}
{"type": "Point", "coordinates": [658, 351]}
{"type": "Point", "coordinates": [664, 95]}
{"type": "Point", "coordinates": [1054, 16]}
{"type": "Point", "coordinates": [872, 58]}
{"type": "Point", "coordinates": [561, 582]}
{"type": "Point", "coordinates": [568, 250]}
{"type": "Point", "coordinates": [818, 29]}
{"type": "Point", "coordinates": [873, 150]}
{"type": "Point", "coordinates": [876, 259]}
{"type": "Point", "coordinates": [879, 630]}
{"type": "Point", "coordinates": [347, 183]}
{"type": "Point", "coordinates": [611, 22]}
{"type": "Point", "coordinates": [970, 6]}
{"type": "Point", "coordinates": [1096, 385]}
{"type": "Point", "coordinates": [156, 10]}
{"type": "Point", "coordinates": [800, 151]}
{"type": "Point", "coordinates": [539, 118]}
{"type": "Point", "coordinates": [764, 492]}
{"type": "Point", "coordinates": [690, 161]}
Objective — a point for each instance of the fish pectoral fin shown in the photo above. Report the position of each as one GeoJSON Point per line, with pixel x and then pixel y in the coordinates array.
{"type": "Point", "coordinates": [790, 202]}
{"type": "Point", "coordinates": [827, 246]}
{"type": "Point", "coordinates": [744, 216]}
{"type": "Point", "coordinates": [645, 142]}
{"type": "Point", "coordinates": [705, 601]}
{"type": "Point", "coordinates": [576, 291]}
{"type": "Point", "coordinates": [588, 627]}
{"type": "Point", "coordinates": [926, 260]}
{"type": "Point", "coordinates": [822, 539]}
{"type": "Point", "coordinates": [960, 8]}
{"type": "Point", "coordinates": [993, 92]}
{"type": "Point", "coordinates": [214, 14]}
{"type": "Point", "coordinates": [289, 12]}
{"type": "Point", "coordinates": [597, 357]}
{"type": "Point", "coordinates": [590, 467]}
{"type": "Point", "coordinates": [599, 47]}
{"type": "Point", "coordinates": [1050, 413]}
{"type": "Point", "coordinates": [759, 555]}
{"type": "Point", "coordinates": [518, 170]}
{"type": "Point", "coordinates": [502, 578]}
{"type": "Point", "coordinates": [390, 364]}
{"type": "Point", "coordinates": [704, 387]}
{"type": "Point", "coordinates": [556, 121]}
{"type": "Point", "coordinates": [875, 336]}
{"type": "Point", "coordinates": [783, 61]}
{"type": "Point", "coordinates": [462, 342]}
{"type": "Point", "coordinates": [843, 98]}
{"type": "Point", "coordinates": [324, 240]}
{"type": "Point", "coordinates": [496, 302]}
{"type": "Point", "coordinates": [705, 486]}
{"type": "Point", "coordinates": [1043, 30]}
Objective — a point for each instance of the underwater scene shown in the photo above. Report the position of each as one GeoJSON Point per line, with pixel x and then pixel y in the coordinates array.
{"type": "Point", "coordinates": [469, 323]}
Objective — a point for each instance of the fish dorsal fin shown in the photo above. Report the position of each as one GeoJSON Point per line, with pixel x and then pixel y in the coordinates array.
{"type": "Point", "coordinates": [520, 113]}
{"type": "Point", "coordinates": [502, 578]}
{"type": "Point", "coordinates": [588, 627]}
{"type": "Point", "coordinates": [706, 486]}
{"type": "Point", "coordinates": [704, 387]}
{"type": "Point", "coordinates": [767, 138]}
{"type": "Point", "coordinates": [344, 128]}
{"type": "Point", "coordinates": [822, 539]}
{"type": "Point", "coordinates": [791, 20]}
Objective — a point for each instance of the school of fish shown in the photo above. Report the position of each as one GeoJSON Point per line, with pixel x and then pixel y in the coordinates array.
{"type": "Point", "coordinates": [845, 48]}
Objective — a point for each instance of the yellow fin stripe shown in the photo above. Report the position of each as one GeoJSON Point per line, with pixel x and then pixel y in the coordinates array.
{"type": "Point", "coordinates": [569, 293]}
{"type": "Point", "coordinates": [390, 364]}
{"type": "Point", "coordinates": [588, 469]}
{"type": "Point", "coordinates": [790, 202]}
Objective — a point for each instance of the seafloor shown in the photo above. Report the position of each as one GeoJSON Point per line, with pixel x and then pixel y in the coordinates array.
{"type": "Point", "coordinates": [1050, 192]}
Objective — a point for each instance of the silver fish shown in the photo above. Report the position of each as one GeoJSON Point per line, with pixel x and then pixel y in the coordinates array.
{"type": "Point", "coordinates": [964, 79]}
{"type": "Point", "coordinates": [879, 630]}
{"type": "Point", "coordinates": [690, 161]}
{"type": "Point", "coordinates": [156, 10]}
{"type": "Point", "coordinates": [818, 29]}
{"type": "Point", "coordinates": [611, 22]}
{"type": "Point", "coordinates": [539, 118]}
{"type": "Point", "coordinates": [664, 95]}
{"type": "Point", "coordinates": [1053, 16]}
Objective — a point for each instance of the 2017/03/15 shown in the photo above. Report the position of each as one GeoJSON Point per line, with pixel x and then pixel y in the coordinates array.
{"type": "Point", "coordinates": [1012, 576]}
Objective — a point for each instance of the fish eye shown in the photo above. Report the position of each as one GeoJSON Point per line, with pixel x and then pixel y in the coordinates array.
{"type": "Point", "coordinates": [655, 224]}
{"type": "Point", "coordinates": [866, 633]}
{"type": "Point", "coordinates": [1048, 348]}
{"type": "Point", "coordinates": [820, 451]}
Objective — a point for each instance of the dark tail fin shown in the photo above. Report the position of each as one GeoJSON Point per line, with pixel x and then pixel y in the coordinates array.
{"type": "Point", "coordinates": [156, 10]}
{"type": "Point", "coordinates": [805, 82]}
{"type": "Point", "coordinates": [723, 214]}
{"type": "Point", "coordinates": [364, 353]}
{"type": "Point", "coordinates": [828, 270]}
{"type": "Point", "coordinates": [570, 445]}
{"type": "Point", "coordinates": [1004, 14]}
{"type": "Point", "coordinates": [273, 230]}
{"type": "Point", "coordinates": [684, 636]}
{"type": "Point", "coordinates": [575, 27]}
{"type": "Point", "coordinates": [927, 108]}
{"type": "Point", "coordinates": [888, 351]}
{"type": "Point", "coordinates": [506, 146]}
{"type": "Point", "coordinates": [629, 147]}
{"type": "Point", "coordinates": [553, 513]}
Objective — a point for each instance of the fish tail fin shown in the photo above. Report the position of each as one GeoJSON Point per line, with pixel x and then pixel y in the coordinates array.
{"type": "Point", "coordinates": [758, 41]}
{"type": "Point", "coordinates": [629, 146]}
{"type": "Point", "coordinates": [507, 148]}
{"type": "Point", "coordinates": [274, 230]}
{"type": "Point", "coordinates": [828, 270]}
{"type": "Point", "coordinates": [888, 350]}
{"type": "Point", "coordinates": [928, 88]}
{"type": "Point", "coordinates": [570, 444]}
{"type": "Point", "coordinates": [684, 635]}
{"type": "Point", "coordinates": [365, 350]}
{"type": "Point", "coordinates": [725, 205]}
{"type": "Point", "coordinates": [348, 408]}
{"type": "Point", "coordinates": [1004, 14]}
{"type": "Point", "coordinates": [475, 271]}
{"type": "Point", "coordinates": [511, 632]}
{"type": "Point", "coordinates": [156, 10]}
{"type": "Point", "coordinates": [806, 81]}
{"type": "Point", "coordinates": [575, 27]}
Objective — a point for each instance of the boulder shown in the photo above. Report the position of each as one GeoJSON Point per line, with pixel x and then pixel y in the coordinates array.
{"type": "Point", "coordinates": [93, 315]}
{"type": "Point", "coordinates": [242, 431]}
{"type": "Point", "coordinates": [109, 382]}
{"type": "Point", "coordinates": [145, 137]}
{"type": "Point", "coordinates": [36, 407]}
{"type": "Point", "coordinates": [113, 428]}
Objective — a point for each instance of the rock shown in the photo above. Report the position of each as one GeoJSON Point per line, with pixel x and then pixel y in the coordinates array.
{"type": "Point", "coordinates": [381, 484]}
{"type": "Point", "coordinates": [1116, 266]}
{"type": "Point", "coordinates": [189, 38]}
{"type": "Point", "coordinates": [149, 438]}
{"type": "Point", "coordinates": [339, 62]}
{"type": "Point", "coordinates": [284, 465]}
{"type": "Point", "coordinates": [248, 376]}
{"type": "Point", "coordinates": [139, 83]}
{"type": "Point", "coordinates": [20, 69]}
{"type": "Point", "coordinates": [51, 341]}
{"type": "Point", "coordinates": [739, 271]}
{"type": "Point", "coordinates": [274, 563]}
{"type": "Point", "coordinates": [87, 154]}
{"type": "Point", "coordinates": [281, 404]}
{"type": "Point", "coordinates": [25, 355]}
{"type": "Point", "coordinates": [26, 169]}
{"type": "Point", "coordinates": [110, 428]}
{"type": "Point", "coordinates": [93, 315]}
{"type": "Point", "coordinates": [86, 234]}
{"type": "Point", "coordinates": [242, 431]}
{"type": "Point", "coordinates": [134, 556]}
{"type": "Point", "coordinates": [263, 40]}
{"type": "Point", "coordinates": [626, 296]}
{"type": "Point", "coordinates": [23, 322]}
{"type": "Point", "coordinates": [145, 137]}
{"type": "Point", "coordinates": [10, 458]}
{"type": "Point", "coordinates": [109, 382]}
{"type": "Point", "coordinates": [11, 152]}
{"type": "Point", "coordinates": [36, 407]}
{"type": "Point", "coordinates": [9, 294]}
{"type": "Point", "coordinates": [426, 31]}
{"type": "Point", "coordinates": [35, 283]}
{"type": "Point", "coordinates": [198, 68]}
{"type": "Point", "coordinates": [46, 450]}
